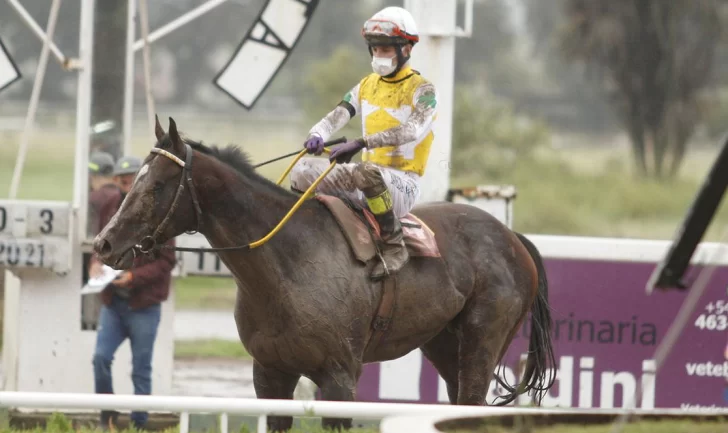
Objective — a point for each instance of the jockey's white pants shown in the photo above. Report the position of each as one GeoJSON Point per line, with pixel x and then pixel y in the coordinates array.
{"type": "Point", "coordinates": [403, 186]}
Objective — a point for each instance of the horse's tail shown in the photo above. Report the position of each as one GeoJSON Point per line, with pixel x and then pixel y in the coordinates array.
{"type": "Point", "coordinates": [540, 370]}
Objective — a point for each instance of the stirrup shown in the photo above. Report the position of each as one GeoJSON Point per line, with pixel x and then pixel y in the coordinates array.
{"type": "Point", "coordinates": [383, 262]}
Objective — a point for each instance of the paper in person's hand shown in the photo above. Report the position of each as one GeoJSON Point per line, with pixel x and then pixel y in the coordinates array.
{"type": "Point", "coordinates": [97, 284]}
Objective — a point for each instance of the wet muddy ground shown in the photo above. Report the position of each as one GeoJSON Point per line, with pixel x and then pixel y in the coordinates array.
{"type": "Point", "coordinates": [210, 377]}
{"type": "Point", "coordinates": [213, 378]}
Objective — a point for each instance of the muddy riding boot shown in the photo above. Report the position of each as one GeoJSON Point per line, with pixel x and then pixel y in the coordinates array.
{"type": "Point", "coordinates": [394, 251]}
{"type": "Point", "coordinates": [368, 178]}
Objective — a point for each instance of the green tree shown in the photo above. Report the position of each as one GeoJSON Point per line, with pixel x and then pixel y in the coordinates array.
{"type": "Point", "coordinates": [565, 81]}
{"type": "Point", "coordinates": [651, 58]}
{"type": "Point", "coordinates": [491, 138]}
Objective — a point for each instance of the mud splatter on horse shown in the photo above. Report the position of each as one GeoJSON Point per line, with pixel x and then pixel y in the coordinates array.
{"type": "Point", "coordinates": [305, 302]}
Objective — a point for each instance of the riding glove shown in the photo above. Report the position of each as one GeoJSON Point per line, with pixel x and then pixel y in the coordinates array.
{"type": "Point", "coordinates": [315, 145]}
{"type": "Point", "coordinates": [343, 153]}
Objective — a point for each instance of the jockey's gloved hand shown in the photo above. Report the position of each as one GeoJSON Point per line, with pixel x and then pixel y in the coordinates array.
{"type": "Point", "coordinates": [343, 153]}
{"type": "Point", "coordinates": [314, 144]}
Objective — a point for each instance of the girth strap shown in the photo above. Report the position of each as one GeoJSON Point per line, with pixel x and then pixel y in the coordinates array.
{"type": "Point", "coordinates": [385, 312]}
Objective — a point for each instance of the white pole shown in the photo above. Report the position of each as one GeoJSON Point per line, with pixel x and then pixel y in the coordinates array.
{"type": "Point", "coordinates": [34, 98]}
{"type": "Point", "coordinates": [256, 407]}
{"type": "Point", "coordinates": [434, 57]}
{"type": "Point", "coordinates": [129, 77]}
{"type": "Point", "coordinates": [35, 28]}
{"type": "Point", "coordinates": [83, 118]}
{"type": "Point", "coordinates": [179, 22]}
{"type": "Point", "coordinates": [224, 422]}
{"type": "Point", "coordinates": [144, 16]}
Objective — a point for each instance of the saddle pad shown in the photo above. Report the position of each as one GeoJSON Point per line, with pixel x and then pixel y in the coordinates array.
{"type": "Point", "coordinates": [418, 237]}
{"type": "Point", "coordinates": [355, 232]}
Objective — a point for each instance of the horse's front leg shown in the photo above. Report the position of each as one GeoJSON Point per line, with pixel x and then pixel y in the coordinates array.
{"type": "Point", "coordinates": [337, 384]}
{"type": "Point", "coordinates": [274, 384]}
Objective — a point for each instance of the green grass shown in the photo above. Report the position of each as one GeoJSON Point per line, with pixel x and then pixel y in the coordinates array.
{"type": "Point", "coordinates": [48, 169]}
{"type": "Point", "coordinates": [304, 429]}
{"type": "Point", "coordinates": [204, 293]}
{"type": "Point", "coordinates": [558, 195]}
{"type": "Point", "coordinates": [212, 348]}
{"type": "Point", "coordinates": [59, 423]}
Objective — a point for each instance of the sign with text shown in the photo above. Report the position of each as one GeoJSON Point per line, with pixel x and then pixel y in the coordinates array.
{"type": "Point", "coordinates": [606, 330]}
{"type": "Point", "coordinates": [34, 234]}
{"type": "Point", "coordinates": [21, 218]}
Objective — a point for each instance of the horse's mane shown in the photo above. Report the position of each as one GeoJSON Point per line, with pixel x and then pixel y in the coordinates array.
{"type": "Point", "coordinates": [231, 155]}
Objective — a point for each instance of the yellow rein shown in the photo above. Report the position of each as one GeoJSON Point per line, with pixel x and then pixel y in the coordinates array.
{"type": "Point", "coordinates": [304, 197]}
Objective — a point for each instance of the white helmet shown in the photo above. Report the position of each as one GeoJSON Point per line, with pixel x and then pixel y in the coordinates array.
{"type": "Point", "coordinates": [391, 26]}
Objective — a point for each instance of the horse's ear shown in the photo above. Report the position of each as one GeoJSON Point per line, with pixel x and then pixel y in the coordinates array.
{"type": "Point", "coordinates": [177, 144]}
{"type": "Point", "coordinates": [158, 131]}
{"type": "Point", "coordinates": [173, 134]}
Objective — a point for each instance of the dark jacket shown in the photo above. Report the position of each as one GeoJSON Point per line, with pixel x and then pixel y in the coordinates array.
{"type": "Point", "coordinates": [150, 280]}
{"type": "Point", "coordinates": [103, 204]}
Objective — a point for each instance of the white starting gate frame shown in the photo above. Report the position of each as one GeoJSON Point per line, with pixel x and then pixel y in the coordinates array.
{"type": "Point", "coordinates": [41, 249]}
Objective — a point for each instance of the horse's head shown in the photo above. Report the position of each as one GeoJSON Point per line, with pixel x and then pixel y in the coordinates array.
{"type": "Point", "coordinates": [159, 206]}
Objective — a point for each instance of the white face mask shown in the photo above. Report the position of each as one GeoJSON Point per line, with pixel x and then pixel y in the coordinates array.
{"type": "Point", "coordinates": [383, 65]}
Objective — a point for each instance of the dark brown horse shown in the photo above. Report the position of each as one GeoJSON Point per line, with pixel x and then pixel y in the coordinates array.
{"type": "Point", "coordinates": [305, 306]}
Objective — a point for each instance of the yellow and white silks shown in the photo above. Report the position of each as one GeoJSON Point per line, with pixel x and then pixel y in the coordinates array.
{"type": "Point", "coordinates": [397, 117]}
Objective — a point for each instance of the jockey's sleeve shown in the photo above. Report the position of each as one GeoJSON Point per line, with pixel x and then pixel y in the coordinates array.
{"type": "Point", "coordinates": [416, 126]}
{"type": "Point", "coordinates": [339, 116]}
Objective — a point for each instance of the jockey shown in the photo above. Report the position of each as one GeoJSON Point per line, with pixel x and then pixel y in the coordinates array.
{"type": "Point", "coordinates": [397, 106]}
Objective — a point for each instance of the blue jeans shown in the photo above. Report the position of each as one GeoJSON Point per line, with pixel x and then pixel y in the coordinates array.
{"type": "Point", "coordinates": [116, 323]}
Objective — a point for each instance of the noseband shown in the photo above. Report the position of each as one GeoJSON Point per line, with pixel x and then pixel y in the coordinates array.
{"type": "Point", "coordinates": [147, 244]}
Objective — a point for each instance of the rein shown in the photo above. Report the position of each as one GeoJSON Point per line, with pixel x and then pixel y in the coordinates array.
{"type": "Point", "coordinates": [149, 243]}
{"type": "Point", "coordinates": [327, 144]}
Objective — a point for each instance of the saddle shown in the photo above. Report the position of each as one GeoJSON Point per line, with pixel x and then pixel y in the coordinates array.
{"type": "Point", "coordinates": [362, 233]}
{"type": "Point", "coordinates": [362, 230]}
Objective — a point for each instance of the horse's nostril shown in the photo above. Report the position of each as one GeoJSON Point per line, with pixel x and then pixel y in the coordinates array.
{"type": "Point", "coordinates": [105, 248]}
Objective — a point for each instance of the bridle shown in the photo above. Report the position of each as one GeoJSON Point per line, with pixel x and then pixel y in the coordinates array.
{"type": "Point", "coordinates": [148, 243]}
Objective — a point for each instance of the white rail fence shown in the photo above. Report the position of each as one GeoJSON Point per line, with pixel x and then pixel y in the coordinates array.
{"type": "Point", "coordinates": [397, 417]}
{"type": "Point", "coordinates": [262, 408]}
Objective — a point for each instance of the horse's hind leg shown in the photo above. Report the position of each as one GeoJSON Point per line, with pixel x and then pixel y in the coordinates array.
{"type": "Point", "coordinates": [337, 384]}
{"type": "Point", "coordinates": [486, 327]}
{"type": "Point", "coordinates": [275, 384]}
{"type": "Point", "coordinates": [442, 351]}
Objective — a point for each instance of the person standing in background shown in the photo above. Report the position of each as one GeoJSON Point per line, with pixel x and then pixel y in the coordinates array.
{"type": "Point", "coordinates": [131, 309]}
{"type": "Point", "coordinates": [103, 192]}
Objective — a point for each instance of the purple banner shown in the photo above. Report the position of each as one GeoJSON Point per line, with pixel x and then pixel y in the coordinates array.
{"type": "Point", "coordinates": [606, 330]}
